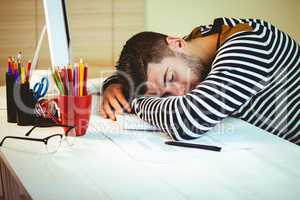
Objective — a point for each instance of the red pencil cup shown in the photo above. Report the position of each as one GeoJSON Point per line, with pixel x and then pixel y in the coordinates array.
{"type": "Point", "coordinates": [75, 111]}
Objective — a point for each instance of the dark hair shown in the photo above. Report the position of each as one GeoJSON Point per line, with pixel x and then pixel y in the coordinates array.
{"type": "Point", "coordinates": [139, 50]}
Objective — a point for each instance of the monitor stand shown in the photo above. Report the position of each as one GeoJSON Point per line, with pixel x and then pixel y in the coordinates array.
{"type": "Point", "coordinates": [37, 51]}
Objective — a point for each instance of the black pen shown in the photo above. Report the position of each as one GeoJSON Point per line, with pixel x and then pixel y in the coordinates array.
{"type": "Point", "coordinates": [192, 145]}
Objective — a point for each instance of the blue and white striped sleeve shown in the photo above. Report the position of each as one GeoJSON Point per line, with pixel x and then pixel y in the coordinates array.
{"type": "Point", "coordinates": [236, 76]}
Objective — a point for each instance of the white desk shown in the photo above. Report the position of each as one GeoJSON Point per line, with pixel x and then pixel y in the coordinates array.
{"type": "Point", "coordinates": [111, 163]}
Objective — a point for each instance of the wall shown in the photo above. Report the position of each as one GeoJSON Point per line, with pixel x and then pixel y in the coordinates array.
{"type": "Point", "coordinates": [98, 29]}
{"type": "Point", "coordinates": [179, 17]}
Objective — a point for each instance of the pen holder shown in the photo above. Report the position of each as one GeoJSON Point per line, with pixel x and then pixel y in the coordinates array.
{"type": "Point", "coordinates": [25, 103]}
{"type": "Point", "coordinates": [10, 100]}
{"type": "Point", "coordinates": [75, 111]}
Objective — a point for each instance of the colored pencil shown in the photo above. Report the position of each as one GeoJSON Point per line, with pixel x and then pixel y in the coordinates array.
{"type": "Point", "coordinates": [64, 80]}
{"type": "Point", "coordinates": [9, 65]}
{"type": "Point", "coordinates": [22, 74]}
{"type": "Point", "coordinates": [19, 58]}
{"type": "Point", "coordinates": [54, 75]}
{"type": "Point", "coordinates": [60, 80]}
{"type": "Point", "coordinates": [13, 65]}
{"type": "Point", "coordinates": [67, 82]}
{"type": "Point", "coordinates": [70, 76]}
{"type": "Point", "coordinates": [70, 80]}
{"type": "Point", "coordinates": [16, 71]}
{"type": "Point", "coordinates": [85, 80]}
{"type": "Point", "coordinates": [74, 82]}
{"type": "Point", "coordinates": [81, 74]}
{"type": "Point", "coordinates": [75, 77]}
{"type": "Point", "coordinates": [77, 81]}
{"type": "Point", "coordinates": [16, 68]}
{"type": "Point", "coordinates": [28, 70]}
{"type": "Point", "coordinates": [16, 75]}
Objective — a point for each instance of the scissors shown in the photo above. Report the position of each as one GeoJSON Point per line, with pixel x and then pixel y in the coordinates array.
{"type": "Point", "coordinates": [40, 89]}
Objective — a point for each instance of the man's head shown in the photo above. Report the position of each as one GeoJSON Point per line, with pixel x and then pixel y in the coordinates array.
{"type": "Point", "coordinates": [158, 64]}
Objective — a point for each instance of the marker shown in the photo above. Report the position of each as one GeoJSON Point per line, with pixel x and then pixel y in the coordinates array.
{"type": "Point", "coordinates": [192, 145]}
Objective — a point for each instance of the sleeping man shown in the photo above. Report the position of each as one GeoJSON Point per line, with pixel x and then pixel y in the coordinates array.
{"type": "Point", "coordinates": [241, 68]}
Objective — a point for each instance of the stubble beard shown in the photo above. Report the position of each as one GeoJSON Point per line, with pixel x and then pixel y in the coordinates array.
{"type": "Point", "coordinates": [198, 71]}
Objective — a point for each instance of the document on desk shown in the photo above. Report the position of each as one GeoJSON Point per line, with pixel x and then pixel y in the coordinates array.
{"type": "Point", "coordinates": [225, 134]}
{"type": "Point", "coordinates": [141, 143]}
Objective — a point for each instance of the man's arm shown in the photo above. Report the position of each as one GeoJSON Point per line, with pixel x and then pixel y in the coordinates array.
{"type": "Point", "coordinates": [235, 78]}
{"type": "Point", "coordinates": [113, 79]}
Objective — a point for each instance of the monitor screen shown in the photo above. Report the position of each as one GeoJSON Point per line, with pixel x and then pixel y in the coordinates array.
{"type": "Point", "coordinates": [58, 31]}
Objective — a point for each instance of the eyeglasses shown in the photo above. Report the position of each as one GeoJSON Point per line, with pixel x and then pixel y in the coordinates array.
{"type": "Point", "coordinates": [52, 142]}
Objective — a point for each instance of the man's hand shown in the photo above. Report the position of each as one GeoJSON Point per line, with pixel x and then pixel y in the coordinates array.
{"type": "Point", "coordinates": [112, 100]}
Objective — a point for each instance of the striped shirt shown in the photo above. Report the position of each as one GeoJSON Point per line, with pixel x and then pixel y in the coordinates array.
{"type": "Point", "coordinates": [254, 76]}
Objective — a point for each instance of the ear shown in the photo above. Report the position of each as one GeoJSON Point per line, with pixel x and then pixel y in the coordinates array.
{"type": "Point", "coordinates": [176, 43]}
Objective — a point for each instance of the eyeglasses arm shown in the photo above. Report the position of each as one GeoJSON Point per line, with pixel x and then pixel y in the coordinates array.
{"type": "Point", "coordinates": [21, 138]}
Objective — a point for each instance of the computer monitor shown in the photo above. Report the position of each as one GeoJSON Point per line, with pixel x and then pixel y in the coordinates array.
{"type": "Point", "coordinates": [58, 39]}
{"type": "Point", "coordinates": [57, 31]}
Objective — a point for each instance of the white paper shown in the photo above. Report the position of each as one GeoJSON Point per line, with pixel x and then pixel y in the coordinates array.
{"type": "Point", "coordinates": [133, 122]}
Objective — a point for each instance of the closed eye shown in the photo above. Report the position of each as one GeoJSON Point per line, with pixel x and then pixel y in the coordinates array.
{"type": "Point", "coordinates": [167, 94]}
